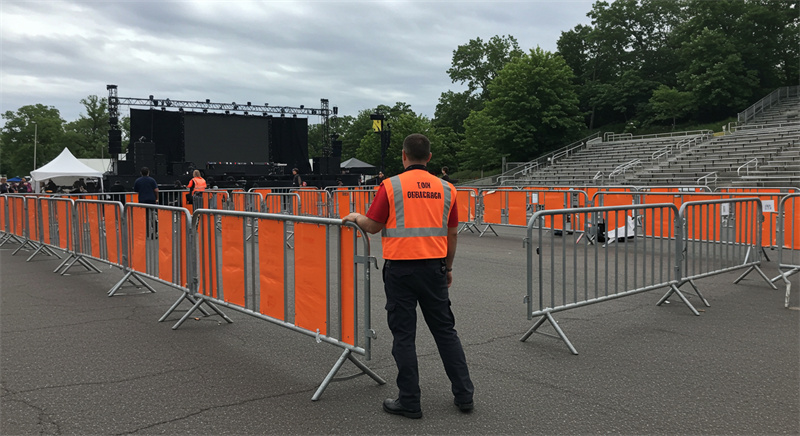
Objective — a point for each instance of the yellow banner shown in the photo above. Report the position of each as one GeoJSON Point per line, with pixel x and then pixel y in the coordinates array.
{"type": "Point", "coordinates": [376, 125]}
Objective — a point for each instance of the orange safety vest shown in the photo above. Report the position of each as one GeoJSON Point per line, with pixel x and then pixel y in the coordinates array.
{"type": "Point", "coordinates": [419, 207]}
{"type": "Point", "coordinates": [199, 185]}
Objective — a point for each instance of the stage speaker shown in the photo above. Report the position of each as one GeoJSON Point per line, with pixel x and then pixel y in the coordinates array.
{"type": "Point", "coordinates": [114, 142]}
{"type": "Point", "coordinates": [161, 165]}
{"type": "Point", "coordinates": [144, 155]}
{"type": "Point", "coordinates": [333, 165]}
{"type": "Point", "coordinates": [336, 148]}
{"type": "Point", "coordinates": [125, 168]}
{"type": "Point", "coordinates": [318, 164]}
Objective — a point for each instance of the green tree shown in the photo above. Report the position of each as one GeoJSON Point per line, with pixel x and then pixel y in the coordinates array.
{"type": "Point", "coordinates": [534, 109]}
{"type": "Point", "coordinates": [87, 136]}
{"type": "Point", "coordinates": [670, 104]}
{"type": "Point", "coordinates": [477, 63]}
{"type": "Point", "coordinates": [717, 75]}
{"type": "Point", "coordinates": [30, 124]}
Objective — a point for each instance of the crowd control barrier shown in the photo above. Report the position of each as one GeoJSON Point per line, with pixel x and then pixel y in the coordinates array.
{"type": "Point", "coordinates": [100, 234]}
{"type": "Point", "coordinates": [246, 201]}
{"type": "Point", "coordinates": [313, 202]}
{"type": "Point", "coordinates": [57, 217]}
{"type": "Point", "coordinates": [315, 291]}
{"type": "Point", "coordinates": [15, 217]}
{"type": "Point", "coordinates": [351, 199]}
{"type": "Point", "coordinates": [562, 274]}
{"type": "Point", "coordinates": [788, 241]}
{"type": "Point", "coordinates": [515, 207]}
{"type": "Point", "coordinates": [155, 239]}
{"type": "Point", "coordinates": [719, 236]}
{"type": "Point", "coordinates": [467, 203]}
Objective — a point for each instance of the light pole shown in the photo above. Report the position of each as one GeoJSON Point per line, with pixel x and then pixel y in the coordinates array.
{"type": "Point", "coordinates": [35, 140]}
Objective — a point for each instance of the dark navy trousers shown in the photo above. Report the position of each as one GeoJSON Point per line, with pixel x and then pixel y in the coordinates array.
{"type": "Point", "coordinates": [406, 283]}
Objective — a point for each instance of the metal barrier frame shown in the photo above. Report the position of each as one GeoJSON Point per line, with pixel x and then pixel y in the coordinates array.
{"type": "Point", "coordinates": [787, 262]}
{"type": "Point", "coordinates": [570, 198]}
{"type": "Point", "coordinates": [365, 260]}
{"type": "Point", "coordinates": [753, 249]}
{"type": "Point", "coordinates": [590, 215]}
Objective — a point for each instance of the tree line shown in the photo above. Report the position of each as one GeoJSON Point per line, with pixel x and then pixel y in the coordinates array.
{"type": "Point", "coordinates": [641, 64]}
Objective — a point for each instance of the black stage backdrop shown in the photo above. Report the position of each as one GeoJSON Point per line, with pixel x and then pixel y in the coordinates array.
{"type": "Point", "coordinates": [202, 138]}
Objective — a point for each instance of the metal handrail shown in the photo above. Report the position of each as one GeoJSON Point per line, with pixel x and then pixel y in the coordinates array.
{"type": "Point", "coordinates": [610, 136]}
{"type": "Point", "coordinates": [767, 102]}
{"type": "Point", "coordinates": [624, 167]}
{"type": "Point", "coordinates": [707, 177]}
{"type": "Point", "coordinates": [765, 126]}
{"type": "Point", "coordinates": [746, 166]}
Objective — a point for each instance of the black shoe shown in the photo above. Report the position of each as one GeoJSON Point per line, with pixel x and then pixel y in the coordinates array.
{"type": "Point", "coordinates": [395, 408]}
{"type": "Point", "coordinates": [464, 407]}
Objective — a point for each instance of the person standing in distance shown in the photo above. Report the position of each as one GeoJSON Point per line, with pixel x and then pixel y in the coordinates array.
{"type": "Point", "coordinates": [196, 185]}
{"type": "Point", "coordinates": [297, 181]}
{"type": "Point", "coordinates": [146, 187]}
{"type": "Point", "coordinates": [417, 214]}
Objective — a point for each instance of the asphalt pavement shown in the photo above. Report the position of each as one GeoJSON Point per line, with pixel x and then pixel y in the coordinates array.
{"type": "Point", "coordinates": [74, 361]}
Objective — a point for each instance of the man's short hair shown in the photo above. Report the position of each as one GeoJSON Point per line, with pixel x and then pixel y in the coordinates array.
{"type": "Point", "coordinates": [417, 147]}
{"type": "Point", "coordinates": [145, 171]}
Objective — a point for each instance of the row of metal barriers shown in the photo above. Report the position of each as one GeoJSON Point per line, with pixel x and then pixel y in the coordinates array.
{"type": "Point", "coordinates": [311, 273]}
{"type": "Point", "coordinates": [308, 274]}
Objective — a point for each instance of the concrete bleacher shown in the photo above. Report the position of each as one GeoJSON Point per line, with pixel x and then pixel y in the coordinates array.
{"type": "Point", "coordinates": [763, 152]}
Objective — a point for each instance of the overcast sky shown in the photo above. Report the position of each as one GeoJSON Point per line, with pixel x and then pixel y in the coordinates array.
{"type": "Point", "coordinates": [285, 53]}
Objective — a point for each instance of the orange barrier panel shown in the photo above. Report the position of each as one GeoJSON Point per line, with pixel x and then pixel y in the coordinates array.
{"type": "Point", "coordinates": [271, 268]}
{"type": "Point", "coordinates": [165, 245]}
{"type": "Point", "coordinates": [347, 296]}
{"type": "Point", "coordinates": [113, 233]}
{"type": "Point", "coordinates": [137, 239]}
{"type": "Point", "coordinates": [232, 262]}
{"type": "Point", "coordinates": [492, 207]}
{"type": "Point", "coordinates": [16, 214]}
{"type": "Point", "coordinates": [310, 276]}
{"type": "Point", "coordinates": [517, 203]}
{"type": "Point", "coordinates": [465, 200]}
{"type": "Point", "coordinates": [206, 247]}
{"type": "Point", "coordinates": [31, 206]}
{"type": "Point", "coordinates": [3, 212]}
{"type": "Point", "coordinates": [64, 215]}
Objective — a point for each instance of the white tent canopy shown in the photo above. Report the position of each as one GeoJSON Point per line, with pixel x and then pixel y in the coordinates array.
{"type": "Point", "coordinates": [64, 170]}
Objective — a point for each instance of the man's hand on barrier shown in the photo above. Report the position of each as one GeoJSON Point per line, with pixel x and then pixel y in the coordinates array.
{"type": "Point", "coordinates": [366, 224]}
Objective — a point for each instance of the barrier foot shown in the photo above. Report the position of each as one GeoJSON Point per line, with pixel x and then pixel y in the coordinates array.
{"type": "Point", "coordinates": [67, 265]}
{"type": "Point", "coordinates": [787, 274]}
{"type": "Point", "coordinates": [346, 355]}
{"type": "Point", "coordinates": [67, 259]}
{"type": "Point", "coordinates": [175, 305]}
{"type": "Point", "coordinates": [10, 237]}
{"type": "Point", "coordinates": [674, 290]}
{"type": "Point", "coordinates": [40, 248]}
{"type": "Point", "coordinates": [467, 226]}
{"type": "Point", "coordinates": [488, 227]}
{"type": "Point", "coordinates": [24, 245]}
{"type": "Point", "coordinates": [785, 278]}
{"type": "Point", "coordinates": [196, 306]}
{"type": "Point", "coordinates": [88, 265]}
{"type": "Point", "coordinates": [548, 317]}
{"type": "Point", "coordinates": [766, 256]}
{"type": "Point", "coordinates": [697, 291]}
{"type": "Point", "coordinates": [128, 278]}
{"type": "Point", "coordinates": [760, 272]}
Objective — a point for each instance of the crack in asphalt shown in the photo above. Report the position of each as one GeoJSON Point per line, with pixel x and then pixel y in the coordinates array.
{"type": "Point", "coordinates": [106, 382]}
{"type": "Point", "coordinates": [206, 409]}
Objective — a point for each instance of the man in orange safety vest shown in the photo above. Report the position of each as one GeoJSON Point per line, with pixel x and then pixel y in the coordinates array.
{"type": "Point", "coordinates": [416, 212]}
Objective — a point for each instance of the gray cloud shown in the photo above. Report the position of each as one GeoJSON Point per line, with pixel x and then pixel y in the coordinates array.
{"type": "Point", "coordinates": [356, 54]}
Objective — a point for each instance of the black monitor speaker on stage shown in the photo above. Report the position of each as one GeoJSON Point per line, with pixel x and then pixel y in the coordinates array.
{"type": "Point", "coordinates": [144, 155]}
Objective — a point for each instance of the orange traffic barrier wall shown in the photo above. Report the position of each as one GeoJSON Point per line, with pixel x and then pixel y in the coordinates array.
{"type": "Point", "coordinates": [351, 199]}
{"type": "Point", "coordinates": [466, 200]}
{"type": "Point", "coordinates": [3, 214]}
{"type": "Point", "coordinates": [16, 215]}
